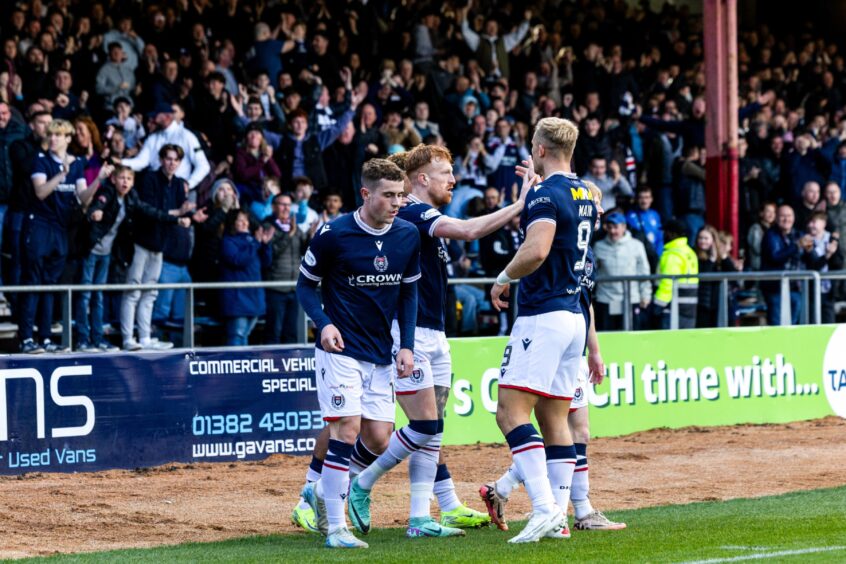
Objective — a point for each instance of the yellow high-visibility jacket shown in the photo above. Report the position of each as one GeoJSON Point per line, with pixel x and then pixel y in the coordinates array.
{"type": "Point", "coordinates": [677, 258]}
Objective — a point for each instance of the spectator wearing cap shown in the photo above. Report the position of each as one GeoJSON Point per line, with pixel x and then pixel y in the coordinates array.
{"type": "Point", "coordinates": [253, 163]}
{"type": "Point", "coordinates": [644, 219]}
{"type": "Point", "coordinates": [613, 187]}
{"type": "Point", "coordinates": [620, 254]}
{"type": "Point", "coordinates": [115, 78]}
{"type": "Point", "coordinates": [301, 151]}
{"type": "Point", "coordinates": [678, 259]}
{"type": "Point", "coordinates": [492, 49]}
{"type": "Point", "coordinates": [132, 130]}
{"type": "Point", "coordinates": [194, 167]}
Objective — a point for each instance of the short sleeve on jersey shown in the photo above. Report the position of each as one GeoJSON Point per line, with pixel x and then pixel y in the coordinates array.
{"type": "Point", "coordinates": [41, 167]}
{"type": "Point", "coordinates": [424, 216]}
{"type": "Point", "coordinates": [318, 257]}
{"type": "Point", "coordinates": [540, 206]}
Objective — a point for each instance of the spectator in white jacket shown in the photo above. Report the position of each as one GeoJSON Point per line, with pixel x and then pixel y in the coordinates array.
{"type": "Point", "coordinates": [620, 254]}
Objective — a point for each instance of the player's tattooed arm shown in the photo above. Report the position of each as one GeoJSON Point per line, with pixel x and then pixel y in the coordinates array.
{"type": "Point", "coordinates": [441, 397]}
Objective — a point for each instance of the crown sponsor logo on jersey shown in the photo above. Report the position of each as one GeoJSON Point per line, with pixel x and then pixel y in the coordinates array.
{"type": "Point", "coordinates": [380, 263]}
{"type": "Point", "coordinates": [338, 401]}
{"type": "Point", "coordinates": [416, 376]}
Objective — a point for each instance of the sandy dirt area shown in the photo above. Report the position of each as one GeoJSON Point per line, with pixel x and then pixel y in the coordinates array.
{"type": "Point", "coordinates": [43, 514]}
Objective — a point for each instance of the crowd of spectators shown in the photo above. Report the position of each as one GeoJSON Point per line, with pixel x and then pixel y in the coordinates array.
{"type": "Point", "coordinates": [207, 140]}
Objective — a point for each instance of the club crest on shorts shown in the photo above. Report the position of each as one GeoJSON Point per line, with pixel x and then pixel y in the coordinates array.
{"type": "Point", "coordinates": [338, 401]}
{"type": "Point", "coordinates": [577, 395]}
{"type": "Point", "coordinates": [416, 376]}
{"type": "Point", "coordinates": [380, 263]}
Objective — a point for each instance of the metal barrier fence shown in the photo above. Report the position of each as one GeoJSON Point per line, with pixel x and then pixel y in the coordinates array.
{"type": "Point", "coordinates": [811, 291]}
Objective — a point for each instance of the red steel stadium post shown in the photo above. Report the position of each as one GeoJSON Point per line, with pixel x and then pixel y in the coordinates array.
{"type": "Point", "coordinates": [721, 125]}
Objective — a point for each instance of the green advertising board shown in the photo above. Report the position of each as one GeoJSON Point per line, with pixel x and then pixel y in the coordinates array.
{"type": "Point", "coordinates": [675, 379]}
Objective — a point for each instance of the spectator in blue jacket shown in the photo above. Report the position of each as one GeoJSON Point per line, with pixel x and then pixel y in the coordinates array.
{"type": "Point", "coordinates": [782, 249]}
{"type": "Point", "coordinates": [243, 255]}
{"type": "Point", "coordinates": [646, 220]}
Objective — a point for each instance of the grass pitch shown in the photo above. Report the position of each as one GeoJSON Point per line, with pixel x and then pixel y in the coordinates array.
{"type": "Point", "coordinates": [796, 527]}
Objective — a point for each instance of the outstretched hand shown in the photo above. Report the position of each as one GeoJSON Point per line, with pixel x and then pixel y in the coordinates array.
{"type": "Point", "coordinates": [529, 176]}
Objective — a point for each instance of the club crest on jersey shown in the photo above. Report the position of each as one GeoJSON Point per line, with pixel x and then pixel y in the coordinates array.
{"type": "Point", "coordinates": [380, 263]}
{"type": "Point", "coordinates": [429, 214]}
{"type": "Point", "coordinates": [588, 268]}
{"type": "Point", "coordinates": [309, 258]}
{"type": "Point", "coordinates": [338, 401]}
{"type": "Point", "coordinates": [416, 376]}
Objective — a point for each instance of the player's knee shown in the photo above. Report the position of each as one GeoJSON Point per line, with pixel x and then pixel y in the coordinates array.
{"type": "Point", "coordinates": [506, 420]}
{"type": "Point", "coordinates": [581, 434]}
{"type": "Point", "coordinates": [345, 430]}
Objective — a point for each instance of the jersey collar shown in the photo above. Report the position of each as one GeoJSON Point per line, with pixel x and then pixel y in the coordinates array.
{"type": "Point", "coordinates": [366, 228]}
{"type": "Point", "coordinates": [562, 173]}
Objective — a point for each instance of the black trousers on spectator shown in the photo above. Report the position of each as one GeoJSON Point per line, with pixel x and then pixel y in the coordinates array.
{"type": "Point", "coordinates": [45, 253]}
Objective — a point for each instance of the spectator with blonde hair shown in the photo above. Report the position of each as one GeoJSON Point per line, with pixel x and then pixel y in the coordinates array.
{"type": "Point", "coordinates": [713, 254]}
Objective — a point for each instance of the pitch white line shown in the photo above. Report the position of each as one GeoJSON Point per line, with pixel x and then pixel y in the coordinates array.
{"type": "Point", "coordinates": [764, 555]}
{"type": "Point", "coordinates": [746, 547]}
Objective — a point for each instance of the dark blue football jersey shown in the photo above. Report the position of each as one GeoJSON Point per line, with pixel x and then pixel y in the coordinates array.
{"type": "Point", "coordinates": [57, 208]}
{"type": "Point", "coordinates": [361, 270]}
{"type": "Point", "coordinates": [563, 200]}
{"type": "Point", "coordinates": [434, 260]}
{"type": "Point", "coordinates": [588, 283]}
